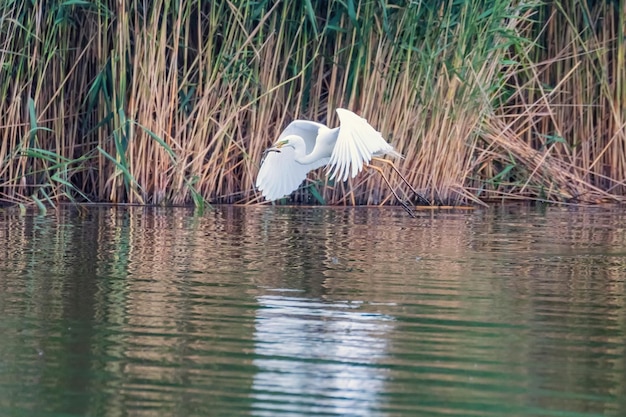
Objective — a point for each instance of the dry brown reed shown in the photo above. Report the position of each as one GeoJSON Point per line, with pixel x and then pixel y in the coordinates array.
{"type": "Point", "coordinates": [174, 102]}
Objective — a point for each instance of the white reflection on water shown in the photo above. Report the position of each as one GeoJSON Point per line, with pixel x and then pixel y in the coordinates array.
{"type": "Point", "coordinates": [318, 357]}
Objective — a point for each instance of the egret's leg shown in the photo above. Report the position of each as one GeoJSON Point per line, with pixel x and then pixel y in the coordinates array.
{"type": "Point", "coordinates": [404, 204]}
{"type": "Point", "coordinates": [387, 161]}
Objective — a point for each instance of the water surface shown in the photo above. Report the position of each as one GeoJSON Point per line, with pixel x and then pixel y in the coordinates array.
{"type": "Point", "coordinates": [270, 311]}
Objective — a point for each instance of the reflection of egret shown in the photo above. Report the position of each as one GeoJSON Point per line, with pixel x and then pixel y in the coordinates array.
{"type": "Point", "coordinates": [305, 145]}
{"type": "Point", "coordinates": [318, 357]}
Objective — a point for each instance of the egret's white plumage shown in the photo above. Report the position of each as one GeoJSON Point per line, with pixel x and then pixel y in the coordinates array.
{"type": "Point", "coordinates": [305, 145]}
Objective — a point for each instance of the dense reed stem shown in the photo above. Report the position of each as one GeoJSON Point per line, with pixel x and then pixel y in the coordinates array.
{"type": "Point", "coordinates": [173, 102]}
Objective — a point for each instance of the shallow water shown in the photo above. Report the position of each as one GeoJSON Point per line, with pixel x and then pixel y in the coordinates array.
{"type": "Point", "coordinates": [267, 311]}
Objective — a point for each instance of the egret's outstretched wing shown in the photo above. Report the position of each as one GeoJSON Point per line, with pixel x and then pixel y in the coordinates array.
{"type": "Point", "coordinates": [280, 174]}
{"type": "Point", "coordinates": [306, 129]}
{"type": "Point", "coordinates": [357, 142]}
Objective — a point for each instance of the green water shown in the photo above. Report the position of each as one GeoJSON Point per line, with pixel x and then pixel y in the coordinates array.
{"type": "Point", "coordinates": [298, 311]}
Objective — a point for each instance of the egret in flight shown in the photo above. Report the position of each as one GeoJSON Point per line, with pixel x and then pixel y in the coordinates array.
{"type": "Point", "coordinates": [305, 145]}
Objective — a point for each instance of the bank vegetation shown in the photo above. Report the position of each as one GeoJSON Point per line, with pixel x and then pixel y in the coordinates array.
{"type": "Point", "coordinates": [172, 102]}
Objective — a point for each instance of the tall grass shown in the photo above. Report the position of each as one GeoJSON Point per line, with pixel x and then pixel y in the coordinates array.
{"type": "Point", "coordinates": [560, 133]}
{"type": "Point", "coordinates": [173, 102]}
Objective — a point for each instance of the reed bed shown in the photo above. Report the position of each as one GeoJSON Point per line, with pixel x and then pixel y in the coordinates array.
{"type": "Point", "coordinates": [172, 102]}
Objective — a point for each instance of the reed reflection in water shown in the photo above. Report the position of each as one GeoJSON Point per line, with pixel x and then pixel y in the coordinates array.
{"type": "Point", "coordinates": [313, 311]}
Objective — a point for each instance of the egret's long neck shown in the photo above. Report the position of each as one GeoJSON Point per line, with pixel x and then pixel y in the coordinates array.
{"type": "Point", "coordinates": [300, 147]}
{"type": "Point", "coordinates": [320, 153]}
{"type": "Point", "coordinates": [307, 159]}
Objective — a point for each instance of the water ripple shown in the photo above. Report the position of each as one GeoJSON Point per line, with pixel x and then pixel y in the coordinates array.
{"type": "Point", "coordinates": [276, 311]}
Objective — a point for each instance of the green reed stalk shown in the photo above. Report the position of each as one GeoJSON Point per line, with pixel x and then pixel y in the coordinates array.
{"type": "Point", "coordinates": [172, 102]}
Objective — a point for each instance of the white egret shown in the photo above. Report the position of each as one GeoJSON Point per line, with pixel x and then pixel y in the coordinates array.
{"type": "Point", "coordinates": [305, 145]}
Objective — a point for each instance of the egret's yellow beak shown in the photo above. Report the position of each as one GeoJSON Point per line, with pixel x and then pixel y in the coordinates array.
{"type": "Point", "coordinates": [276, 147]}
